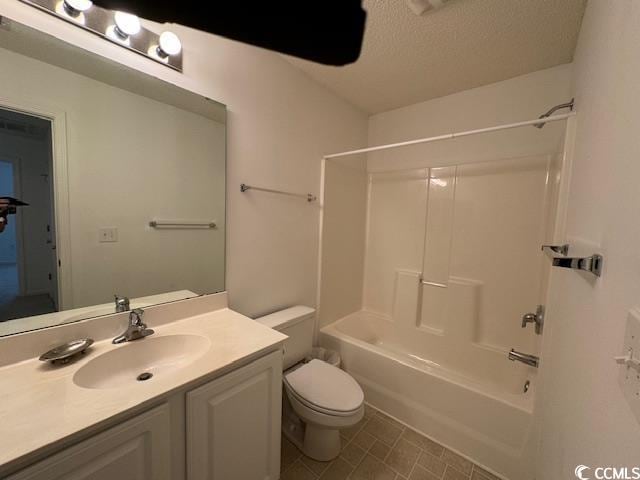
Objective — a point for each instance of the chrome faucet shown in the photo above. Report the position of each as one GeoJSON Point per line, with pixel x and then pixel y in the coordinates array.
{"type": "Point", "coordinates": [536, 318]}
{"type": "Point", "coordinates": [136, 330]}
{"type": "Point", "coordinates": [122, 304]}
{"type": "Point", "coordinates": [525, 358]}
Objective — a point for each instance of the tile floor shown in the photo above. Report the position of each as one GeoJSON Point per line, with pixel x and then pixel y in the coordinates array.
{"type": "Point", "coordinates": [379, 448]}
{"type": "Point", "coordinates": [9, 288]}
{"type": "Point", "coordinates": [12, 305]}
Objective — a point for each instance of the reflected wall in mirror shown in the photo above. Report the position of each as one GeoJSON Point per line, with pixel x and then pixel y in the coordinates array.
{"type": "Point", "coordinates": [124, 177]}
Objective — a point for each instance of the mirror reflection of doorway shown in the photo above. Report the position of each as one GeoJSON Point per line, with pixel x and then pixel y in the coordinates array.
{"type": "Point", "coordinates": [28, 260]}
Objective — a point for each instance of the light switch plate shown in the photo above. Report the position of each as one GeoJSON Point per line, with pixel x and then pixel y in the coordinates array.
{"type": "Point", "coordinates": [629, 377]}
{"type": "Point", "coordinates": [108, 235]}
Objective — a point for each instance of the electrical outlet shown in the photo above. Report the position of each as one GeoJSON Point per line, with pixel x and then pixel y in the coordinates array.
{"type": "Point", "coordinates": [629, 376]}
{"type": "Point", "coordinates": [108, 235]}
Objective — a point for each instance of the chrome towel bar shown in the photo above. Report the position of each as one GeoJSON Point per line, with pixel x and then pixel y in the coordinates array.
{"type": "Point", "coordinates": [181, 225]}
{"type": "Point", "coordinates": [309, 197]}
{"type": "Point", "coordinates": [592, 264]}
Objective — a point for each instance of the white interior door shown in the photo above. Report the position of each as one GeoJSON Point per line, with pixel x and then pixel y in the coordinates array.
{"type": "Point", "coordinates": [11, 261]}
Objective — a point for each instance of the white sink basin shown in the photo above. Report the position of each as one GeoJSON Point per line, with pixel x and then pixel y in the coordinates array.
{"type": "Point", "coordinates": [157, 356]}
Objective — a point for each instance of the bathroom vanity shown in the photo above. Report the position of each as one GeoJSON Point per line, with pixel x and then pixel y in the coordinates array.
{"type": "Point", "coordinates": [210, 410]}
{"type": "Point", "coordinates": [124, 175]}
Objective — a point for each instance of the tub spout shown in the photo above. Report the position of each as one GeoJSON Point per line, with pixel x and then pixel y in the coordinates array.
{"type": "Point", "coordinates": [525, 358]}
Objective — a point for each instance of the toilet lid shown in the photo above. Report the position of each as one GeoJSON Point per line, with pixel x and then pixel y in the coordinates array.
{"type": "Point", "coordinates": [326, 387]}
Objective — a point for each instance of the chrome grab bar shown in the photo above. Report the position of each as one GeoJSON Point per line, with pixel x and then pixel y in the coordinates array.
{"type": "Point", "coordinates": [181, 225]}
{"type": "Point", "coordinates": [592, 264]}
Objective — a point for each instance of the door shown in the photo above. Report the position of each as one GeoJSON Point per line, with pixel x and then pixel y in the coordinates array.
{"type": "Point", "coordinates": [9, 254]}
{"type": "Point", "coordinates": [26, 164]}
{"type": "Point", "coordinates": [138, 449]}
{"type": "Point", "coordinates": [233, 424]}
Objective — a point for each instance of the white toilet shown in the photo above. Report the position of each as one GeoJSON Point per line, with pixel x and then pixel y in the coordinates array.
{"type": "Point", "coordinates": [319, 399]}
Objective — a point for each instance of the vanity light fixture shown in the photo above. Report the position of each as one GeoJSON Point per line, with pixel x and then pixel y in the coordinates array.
{"type": "Point", "coordinates": [127, 25]}
{"type": "Point", "coordinates": [121, 28]}
{"type": "Point", "coordinates": [170, 44]}
{"type": "Point", "coordinates": [76, 7]}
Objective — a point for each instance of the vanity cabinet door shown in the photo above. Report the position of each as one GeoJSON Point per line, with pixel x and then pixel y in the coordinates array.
{"type": "Point", "coordinates": [138, 449]}
{"type": "Point", "coordinates": [233, 424]}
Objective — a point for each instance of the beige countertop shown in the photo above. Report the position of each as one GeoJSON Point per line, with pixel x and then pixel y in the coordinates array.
{"type": "Point", "coordinates": [41, 405]}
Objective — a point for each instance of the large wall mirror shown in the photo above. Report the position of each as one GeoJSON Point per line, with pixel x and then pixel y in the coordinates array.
{"type": "Point", "coordinates": [124, 177]}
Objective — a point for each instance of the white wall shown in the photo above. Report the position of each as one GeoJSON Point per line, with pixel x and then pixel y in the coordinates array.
{"type": "Point", "coordinates": [517, 99]}
{"type": "Point", "coordinates": [586, 419]}
{"type": "Point", "coordinates": [280, 124]}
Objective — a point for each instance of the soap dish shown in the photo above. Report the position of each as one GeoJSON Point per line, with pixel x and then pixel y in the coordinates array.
{"type": "Point", "coordinates": [65, 353]}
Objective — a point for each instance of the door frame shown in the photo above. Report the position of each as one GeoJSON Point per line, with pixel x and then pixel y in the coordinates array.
{"type": "Point", "coordinates": [60, 184]}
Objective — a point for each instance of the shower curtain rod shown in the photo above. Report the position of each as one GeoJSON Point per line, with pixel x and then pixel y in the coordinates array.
{"type": "Point", "coordinates": [449, 136]}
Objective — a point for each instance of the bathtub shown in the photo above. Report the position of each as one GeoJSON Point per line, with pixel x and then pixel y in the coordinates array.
{"type": "Point", "coordinates": [472, 402]}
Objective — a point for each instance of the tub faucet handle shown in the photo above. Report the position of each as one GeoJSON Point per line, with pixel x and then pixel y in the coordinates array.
{"type": "Point", "coordinates": [536, 318]}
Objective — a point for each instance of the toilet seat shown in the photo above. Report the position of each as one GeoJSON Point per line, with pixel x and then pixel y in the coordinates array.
{"type": "Point", "coordinates": [325, 389]}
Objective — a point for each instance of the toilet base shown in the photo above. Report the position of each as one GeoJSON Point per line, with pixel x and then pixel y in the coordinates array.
{"type": "Point", "coordinates": [321, 443]}
{"type": "Point", "coordinates": [316, 434]}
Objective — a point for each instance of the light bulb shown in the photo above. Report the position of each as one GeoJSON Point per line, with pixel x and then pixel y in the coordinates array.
{"type": "Point", "coordinates": [127, 24]}
{"type": "Point", "coordinates": [77, 6]}
{"type": "Point", "coordinates": [170, 44]}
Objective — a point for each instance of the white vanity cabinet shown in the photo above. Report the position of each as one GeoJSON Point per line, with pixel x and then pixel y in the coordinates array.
{"type": "Point", "coordinates": [134, 450]}
{"type": "Point", "coordinates": [233, 424]}
{"type": "Point", "coordinates": [232, 427]}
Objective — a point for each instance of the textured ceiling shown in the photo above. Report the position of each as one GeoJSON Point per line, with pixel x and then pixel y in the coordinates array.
{"type": "Point", "coordinates": [466, 44]}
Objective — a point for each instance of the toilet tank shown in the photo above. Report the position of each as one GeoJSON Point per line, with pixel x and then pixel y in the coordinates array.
{"type": "Point", "coordinates": [298, 324]}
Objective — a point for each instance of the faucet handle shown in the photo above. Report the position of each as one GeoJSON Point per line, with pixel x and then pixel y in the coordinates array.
{"type": "Point", "coordinates": [135, 316]}
{"type": "Point", "coordinates": [122, 303]}
{"type": "Point", "coordinates": [536, 318]}
{"type": "Point", "coordinates": [529, 318]}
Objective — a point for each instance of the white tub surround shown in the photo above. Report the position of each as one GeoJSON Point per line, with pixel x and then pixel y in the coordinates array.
{"type": "Point", "coordinates": [41, 406]}
{"type": "Point", "coordinates": [451, 263]}
{"type": "Point", "coordinates": [488, 422]}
